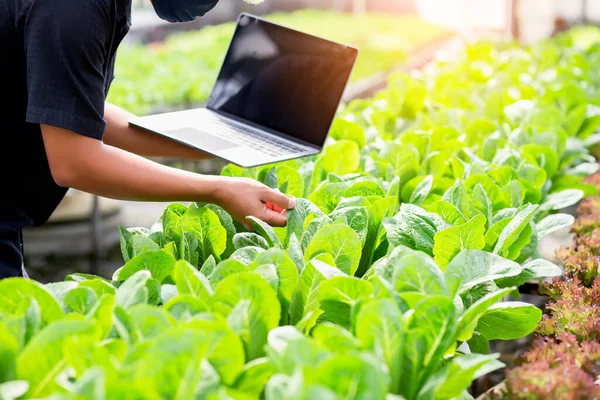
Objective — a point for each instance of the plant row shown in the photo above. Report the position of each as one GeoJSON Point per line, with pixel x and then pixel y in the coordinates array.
{"type": "Point", "coordinates": [395, 270]}
{"type": "Point", "coordinates": [182, 70]}
{"type": "Point", "coordinates": [564, 362]}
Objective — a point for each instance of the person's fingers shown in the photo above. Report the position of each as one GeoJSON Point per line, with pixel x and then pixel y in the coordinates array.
{"type": "Point", "coordinates": [274, 218]}
{"type": "Point", "coordinates": [278, 199]}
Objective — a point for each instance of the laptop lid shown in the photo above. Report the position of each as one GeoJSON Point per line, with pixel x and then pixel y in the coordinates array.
{"type": "Point", "coordinates": [283, 80]}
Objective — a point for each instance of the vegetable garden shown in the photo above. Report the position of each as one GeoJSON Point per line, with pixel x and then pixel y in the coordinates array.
{"type": "Point", "coordinates": [400, 263]}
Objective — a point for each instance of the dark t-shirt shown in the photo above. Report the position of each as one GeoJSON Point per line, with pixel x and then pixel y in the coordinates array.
{"type": "Point", "coordinates": [56, 65]}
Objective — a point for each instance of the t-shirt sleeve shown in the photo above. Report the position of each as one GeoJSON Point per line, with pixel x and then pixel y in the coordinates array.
{"type": "Point", "coordinates": [65, 43]}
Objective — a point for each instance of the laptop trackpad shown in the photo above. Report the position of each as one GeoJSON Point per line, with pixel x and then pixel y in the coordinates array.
{"type": "Point", "coordinates": [202, 139]}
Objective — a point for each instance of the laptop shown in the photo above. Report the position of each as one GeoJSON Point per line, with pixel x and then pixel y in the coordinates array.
{"type": "Point", "coordinates": [274, 100]}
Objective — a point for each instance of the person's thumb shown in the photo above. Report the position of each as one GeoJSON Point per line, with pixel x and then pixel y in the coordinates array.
{"type": "Point", "coordinates": [279, 199]}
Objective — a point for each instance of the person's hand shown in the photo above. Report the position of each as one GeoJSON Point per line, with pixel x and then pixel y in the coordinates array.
{"type": "Point", "coordinates": [243, 197]}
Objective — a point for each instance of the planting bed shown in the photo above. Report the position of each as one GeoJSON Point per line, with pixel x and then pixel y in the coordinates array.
{"type": "Point", "coordinates": [412, 232]}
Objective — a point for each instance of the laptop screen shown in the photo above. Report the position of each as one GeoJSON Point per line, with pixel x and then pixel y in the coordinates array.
{"type": "Point", "coordinates": [281, 79]}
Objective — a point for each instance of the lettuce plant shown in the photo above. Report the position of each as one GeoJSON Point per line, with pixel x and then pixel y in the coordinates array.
{"type": "Point", "coordinates": [573, 308]}
{"type": "Point", "coordinates": [163, 329]}
{"type": "Point", "coordinates": [554, 368]}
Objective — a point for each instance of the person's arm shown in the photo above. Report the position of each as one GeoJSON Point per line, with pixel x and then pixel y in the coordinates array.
{"type": "Point", "coordinates": [92, 166]}
{"type": "Point", "coordinates": [120, 134]}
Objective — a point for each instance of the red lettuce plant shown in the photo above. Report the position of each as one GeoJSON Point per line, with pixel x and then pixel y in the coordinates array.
{"type": "Point", "coordinates": [582, 260]}
{"type": "Point", "coordinates": [573, 308]}
{"type": "Point", "coordinates": [556, 369]}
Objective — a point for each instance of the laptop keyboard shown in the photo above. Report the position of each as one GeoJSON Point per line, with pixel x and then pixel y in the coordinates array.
{"type": "Point", "coordinates": [247, 136]}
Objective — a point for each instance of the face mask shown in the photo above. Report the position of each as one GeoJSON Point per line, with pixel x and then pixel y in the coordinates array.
{"type": "Point", "coordinates": [182, 10]}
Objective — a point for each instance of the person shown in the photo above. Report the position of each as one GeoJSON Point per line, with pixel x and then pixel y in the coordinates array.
{"type": "Point", "coordinates": [56, 66]}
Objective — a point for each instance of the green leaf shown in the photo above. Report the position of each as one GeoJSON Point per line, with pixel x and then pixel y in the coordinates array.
{"type": "Point", "coordinates": [327, 196]}
{"type": "Point", "coordinates": [364, 189]}
{"type": "Point", "coordinates": [254, 377]}
{"type": "Point", "coordinates": [100, 286]}
{"type": "Point", "coordinates": [292, 179]}
{"type": "Point", "coordinates": [205, 225]}
{"type": "Point", "coordinates": [191, 281]}
{"type": "Point", "coordinates": [226, 268]}
{"type": "Point", "coordinates": [376, 232]}
{"type": "Point", "coordinates": [553, 223]}
{"type": "Point", "coordinates": [185, 307]}
{"type": "Point", "coordinates": [534, 175]}
{"type": "Point", "coordinates": [458, 197]}
{"type": "Point", "coordinates": [491, 189]}
{"type": "Point", "coordinates": [356, 218]}
{"type": "Point", "coordinates": [149, 321]}
{"type": "Point", "coordinates": [15, 290]}
{"type": "Point", "coordinates": [125, 240]}
{"type": "Point", "coordinates": [160, 239]}
{"type": "Point", "coordinates": [473, 267]}
{"type": "Point", "coordinates": [8, 355]}
{"type": "Point", "coordinates": [343, 129]}
{"type": "Point", "coordinates": [414, 228]}
{"type": "Point", "coordinates": [251, 307]}
{"type": "Point", "coordinates": [457, 376]}
{"type": "Point", "coordinates": [492, 235]}
{"type": "Point", "coordinates": [339, 295]}
{"type": "Point", "coordinates": [246, 255]}
{"type": "Point", "coordinates": [482, 203]}
{"type": "Point", "coordinates": [341, 158]}
{"type": "Point", "coordinates": [560, 200]}
{"type": "Point", "coordinates": [159, 263]}
{"type": "Point", "coordinates": [266, 231]}
{"type": "Point", "coordinates": [416, 272]}
{"type": "Point", "coordinates": [175, 357]}
{"type": "Point", "coordinates": [209, 266]}
{"type": "Point", "coordinates": [335, 338]}
{"type": "Point", "coordinates": [354, 377]}
{"type": "Point", "coordinates": [135, 241]}
{"type": "Point", "coordinates": [294, 251]}
{"type": "Point", "coordinates": [133, 291]}
{"type": "Point", "coordinates": [468, 321]}
{"type": "Point", "coordinates": [154, 288]}
{"type": "Point", "coordinates": [287, 276]}
{"type": "Point", "coordinates": [305, 301]}
{"type": "Point", "coordinates": [513, 229]}
{"type": "Point", "coordinates": [13, 390]}
{"type": "Point", "coordinates": [535, 269]}
{"type": "Point", "coordinates": [509, 320]}
{"type": "Point", "coordinates": [435, 322]}
{"type": "Point", "coordinates": [227, 223]}
{"type": "Point", "coordinates": [449, 213]}
{"type": "Point", "coordinates": [245, 239]}
{"type": "Point", "coordinates": [422, 190]}
{"type": "Point", "coordinates": [451, 241]}
{"type": "Point", "coordinates": [341, 242]}
{"type": "Point", "coordinates": [80, 300]}
{"type": "Point", "coordinates": [545, 156]}
{"type": "Point", "coordinates": [298, 215]}
{"type": "Point", "coordinates": [379, 326]}
{"type": "Point", "coordinates": [42, 359]}
{"type": "Point", "coordinates": [479, 344]}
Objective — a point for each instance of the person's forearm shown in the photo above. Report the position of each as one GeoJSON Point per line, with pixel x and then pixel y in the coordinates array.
{"type": "Point", "coordinates": [107, 171]}
{"type": "Point", "coordinates": [129, 138]}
